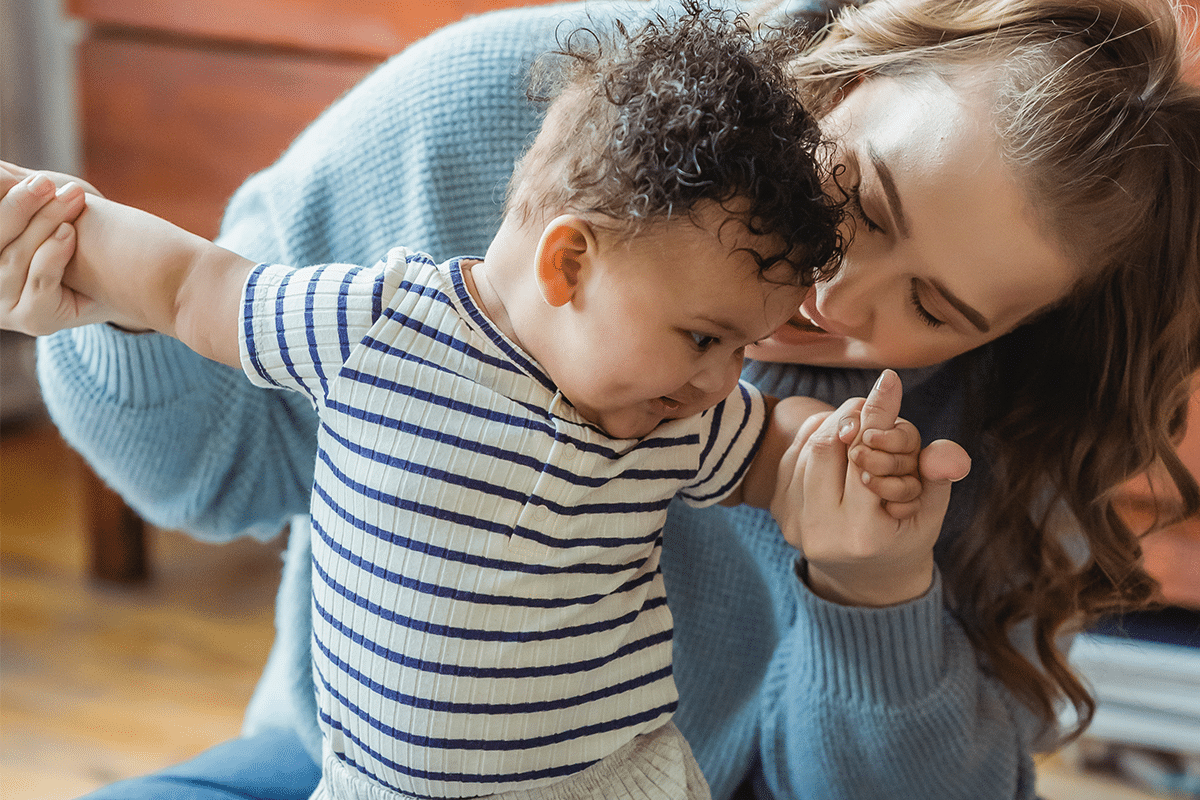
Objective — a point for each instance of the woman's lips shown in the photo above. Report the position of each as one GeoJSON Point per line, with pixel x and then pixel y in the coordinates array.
{"type": "Point", "coordinates": [797, 330]}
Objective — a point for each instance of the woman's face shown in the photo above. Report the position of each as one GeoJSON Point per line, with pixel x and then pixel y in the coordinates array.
{"type": "Point", "coordinates": [946, 253]}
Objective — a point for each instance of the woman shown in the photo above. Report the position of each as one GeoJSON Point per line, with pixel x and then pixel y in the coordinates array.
{"type": "Point", "coordinates": [1024, 175]}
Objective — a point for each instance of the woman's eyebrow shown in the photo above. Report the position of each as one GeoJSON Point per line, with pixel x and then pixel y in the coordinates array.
{"type": "Point", "coordinates": [889, 191]}
{"type": "Point", "coordinates": [974, 317]}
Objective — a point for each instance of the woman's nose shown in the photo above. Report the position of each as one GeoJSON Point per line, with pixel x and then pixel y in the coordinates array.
{"type": "Point", "coordinates": [846, 302]}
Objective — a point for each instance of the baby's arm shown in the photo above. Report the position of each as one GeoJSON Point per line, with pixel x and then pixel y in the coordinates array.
{"type": "Point", "coordinates": [139, 271]}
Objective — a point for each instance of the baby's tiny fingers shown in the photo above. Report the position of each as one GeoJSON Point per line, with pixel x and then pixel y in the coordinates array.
{"type": "Point", "coordinates": [903, 438]}
{"type": "Point", "coordinates": [882, 463]}
{"type": "Point", "coordinates": [893, 488]}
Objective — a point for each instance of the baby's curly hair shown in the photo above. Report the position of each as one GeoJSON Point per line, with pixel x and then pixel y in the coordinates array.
{"type": "Point", "coordinates": [645, 126]}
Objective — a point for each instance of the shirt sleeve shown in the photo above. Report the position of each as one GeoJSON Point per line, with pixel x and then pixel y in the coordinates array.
{"type": "Point", "coordinates": [732, 432]}
{"type": "Point", "coordinates": [300, 325]}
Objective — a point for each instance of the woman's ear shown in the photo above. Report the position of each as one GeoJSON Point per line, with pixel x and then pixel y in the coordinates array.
{"type": "Point", "coordinates": [560, 257]}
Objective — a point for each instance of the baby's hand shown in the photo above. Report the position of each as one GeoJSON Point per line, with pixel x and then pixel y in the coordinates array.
{"type": "Point", "coordinates": [887, 450]}
{"type": "Point", "coordinates": [37, 242]}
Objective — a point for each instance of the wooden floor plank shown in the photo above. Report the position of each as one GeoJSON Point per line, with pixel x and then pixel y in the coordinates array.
{"type": "Point", "coordinates": [102, 682]}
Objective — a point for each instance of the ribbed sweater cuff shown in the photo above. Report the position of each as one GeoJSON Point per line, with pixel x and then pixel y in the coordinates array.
{"type": "Point", "coordinates": [131, 370]}
{"type": "Point", "coordinates": [888, 656]}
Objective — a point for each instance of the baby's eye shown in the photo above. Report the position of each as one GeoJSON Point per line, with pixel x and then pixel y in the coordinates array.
{"type": "Point", "coordinates": [702, 341]}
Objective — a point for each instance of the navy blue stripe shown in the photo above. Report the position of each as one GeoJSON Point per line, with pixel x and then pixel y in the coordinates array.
{"type": "Point", "coordinates": [398, 579]}
{"type": "Point", "coordinates": [310, 328]}
{"type": "Point", "coordinates": [483, 745]}
{"type": "Point", "coordinates": [377, 296]}
{"type": "Point", "coordinates": [342, 306]}
{"type": "Point", "coordinates": [478, 709]}
{"type": "Point", "coordinates": [248, 325]}
{"type": "Point", "coordinates": [495, 490]}
{"type": "Point", "coordinates": [485, 325]}
{"type": "Point", "coordinates": [503, 745]}
{"type": "Point", "coordinates": [458, 670]}
{"type": "Point", "coordinates": [490, 415]}
{"type": "Point", "coordinates": [483, 448]}
{"type": "Point", "coordinates": [747, 412]}
{"type": "Point", "coordinates": [406, 390]}
{"type": "Point", "coordinates": [442, 337]}
{"type": "Point", "coordinates": [481, 634]}
{"type": "Point", "coordinates": [714, 427]}
{"type": "Point", "coordinates": [417, 545]}
{"type": "Point", "coordinates": [412, 772]}
{"type": "Point", "coordinates": [285, 352]}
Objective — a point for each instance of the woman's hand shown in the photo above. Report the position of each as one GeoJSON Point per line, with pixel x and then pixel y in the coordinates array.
{"type": "Point", "coordinates": [37, 242]}
{"type": "Point", "coordinates": [862, 549]}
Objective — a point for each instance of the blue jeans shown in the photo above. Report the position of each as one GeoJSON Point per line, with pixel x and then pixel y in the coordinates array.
{"type": "Point", "coordinates": [270, 766]}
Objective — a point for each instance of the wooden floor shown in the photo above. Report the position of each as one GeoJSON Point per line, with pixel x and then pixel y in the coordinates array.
{"type": "Point", "coordinates": [99, 683]}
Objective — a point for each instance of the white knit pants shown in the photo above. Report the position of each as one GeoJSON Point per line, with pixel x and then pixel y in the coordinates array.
{"type": "Point", "coordinates": [655, 766]}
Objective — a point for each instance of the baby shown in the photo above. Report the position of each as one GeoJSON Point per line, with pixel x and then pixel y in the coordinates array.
{"type": "Point", "coordinates": [500, 437]}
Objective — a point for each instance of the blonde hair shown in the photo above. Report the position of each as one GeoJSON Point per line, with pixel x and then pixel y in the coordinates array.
{"type": "Point", "coordinates": [1095, 119]}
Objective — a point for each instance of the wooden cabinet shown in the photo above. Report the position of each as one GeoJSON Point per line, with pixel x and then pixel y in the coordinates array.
{"type": "Point", "coordinates": [182, 100]}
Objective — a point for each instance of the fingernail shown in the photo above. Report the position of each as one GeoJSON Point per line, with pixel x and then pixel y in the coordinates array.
{"type": "Point", "coordinates": [39, 184]}
{"type": "Point", "coordinates": [845, 426]}
{"type": "Point", "coordinates": [866, 477]}
{"type": "Point", "coordinates": [68, 188]}
{"type": "Point", "coordinates": [63, 232]}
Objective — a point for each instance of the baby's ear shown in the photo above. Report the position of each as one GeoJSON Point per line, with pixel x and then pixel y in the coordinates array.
{"type": "Point", "coordinates": [560, 256]}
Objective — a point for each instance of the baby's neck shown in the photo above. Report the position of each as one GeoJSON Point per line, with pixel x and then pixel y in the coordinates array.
{"type": "Point", "coordinates": [504, 288]}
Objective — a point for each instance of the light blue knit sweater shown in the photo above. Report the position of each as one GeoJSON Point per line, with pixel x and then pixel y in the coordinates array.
{"type": "Point", "coordinates": [812, 699]}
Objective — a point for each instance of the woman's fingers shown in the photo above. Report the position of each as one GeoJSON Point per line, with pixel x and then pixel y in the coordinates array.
{"type": "Point", "coordinates": [46, 303]}
{"type": "Point", "coordinates": [944, 461]}
{"type": "Point", "coordinates": [38, 243]}
{"type": "Point", "coordinates": [882, 406]}
{"type": "Point", "coordinates": [20, 202]}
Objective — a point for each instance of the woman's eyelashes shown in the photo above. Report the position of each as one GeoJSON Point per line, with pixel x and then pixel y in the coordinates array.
{"type": "Point", "coordinates": [854, 202]}
{"type": "Point", "coordinates": [702, 341]}
{"type": "Point", "coordinates": [922, 312]}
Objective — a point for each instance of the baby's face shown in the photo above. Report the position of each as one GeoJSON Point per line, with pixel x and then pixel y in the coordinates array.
{"type": "Point", "coordinates": [658, 328]}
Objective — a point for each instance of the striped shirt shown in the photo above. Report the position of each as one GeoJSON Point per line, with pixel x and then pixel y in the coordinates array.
{"type": "Point", "coordinates": [488, 610]}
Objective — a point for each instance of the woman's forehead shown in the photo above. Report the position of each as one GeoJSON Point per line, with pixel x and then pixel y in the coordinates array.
{"type": "Point", "coordinates": [926, 153]}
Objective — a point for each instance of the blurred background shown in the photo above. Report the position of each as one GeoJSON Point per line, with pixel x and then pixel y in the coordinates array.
{"type": "Point", "coordinates": [123, 648]}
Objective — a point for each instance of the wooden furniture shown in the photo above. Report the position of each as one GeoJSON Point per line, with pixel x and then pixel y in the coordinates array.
{"type": "Point", "coordinates": [182, 100]}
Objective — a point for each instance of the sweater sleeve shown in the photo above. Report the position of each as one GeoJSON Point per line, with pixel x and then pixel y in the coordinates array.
{"type": "Point", "coordinates": [817, 700]}
{"type": "Point", "coordinates": [893, 704]}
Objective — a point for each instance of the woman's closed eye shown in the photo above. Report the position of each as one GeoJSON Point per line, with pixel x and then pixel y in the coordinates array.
{"type": "Point", "coordinates": [702, 341]}
{"type": "Point", "coordinates": [922, 312]}
{"type": "Point", "coordinates": [854, 203]}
